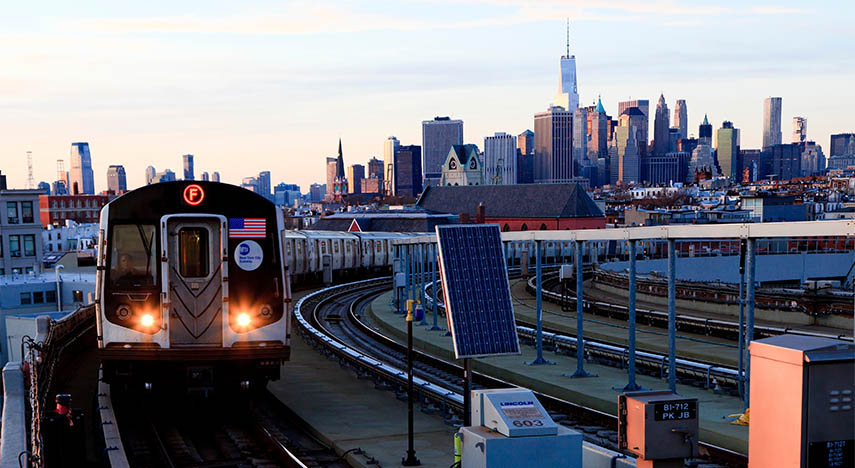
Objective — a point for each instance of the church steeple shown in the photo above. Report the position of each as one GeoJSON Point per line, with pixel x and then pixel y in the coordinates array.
{"type": "Point", "coordinates": [340, 182]}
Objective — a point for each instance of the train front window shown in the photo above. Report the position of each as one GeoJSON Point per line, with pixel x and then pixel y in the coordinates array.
{"type": "Point", "coordinates": [193, 252]}
{"type": "Point", "coordinates": [132, 262]}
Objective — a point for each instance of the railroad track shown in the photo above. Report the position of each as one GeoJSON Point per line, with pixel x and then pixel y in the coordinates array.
{"type": "Point", "coordinates": [241, 431]}
{"type": "Point", "coordinates": [356, 344]}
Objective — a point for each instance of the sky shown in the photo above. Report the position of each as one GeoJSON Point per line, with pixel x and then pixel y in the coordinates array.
{"type": "Point", "coordinates": [272, 85]}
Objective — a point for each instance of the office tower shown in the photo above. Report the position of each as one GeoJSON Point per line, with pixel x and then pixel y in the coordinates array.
{"type": "Point", "coordinates": [751, 162]}
{"type": "Point", "coordinates": [340, 181]}
{"type": "Point", "coordinates": [81, 178]}
{"type": "Point", "coordinates": [263, 181]}
{"type": "Point", "coordinates": [317, 192]}
{"type": "Point", "coordinates": [625, 163]}
{"type": "Point", "coordinates": [771, 121]}
{"type": "Point", "coordinates": [643, 136]}
{"type": "Point", "coordinates": [2, 181]}
{"type": "Point", "coordinates": [598, 132]}
{"type": "Point", "coordinates": [784, 160]}
{"type": "Point", "coordinates": [389, 147]}
{"type": "Point", "coordinates": [355, 174]}
{"type": "Point", "coordinates": [331, 168]}
{"type": "Point", "coordinates": [705, 132]}
{"type": "Point", "coordinates": [500, 159]}
{"type": "Point", "coordinates": [375, 169]}
{"type": "Point", "coordinates": [150, 174]}
{"type": "Point", "coordinates": [205, 177]}
{"type": "Point", "coordinates": [799, 129]}
{"type": "Point", "coordinates": [633, 117]}
{"type": "Point", "coordinates": [407, 166]}
{"type": "Point", "coordinates": [661, 140]}
{"type": "Point", "coordinates": [525, 143]}
{"type": "Point", "coordinates": [437, 137]}
{"type": "Point", "coordinates": [703, 160]}
{"type": "Point", "coordinates": [215, 176]}
{"type": "Point", "coordinates": [727, 151]}
{"type": "Point", "coordinates": [812, 160]}
{"type": "Point", "coordinates": [842, 144]}
{"type": "Point", "coordinates": [166, 176]}
{"type": "Point", "coordinates": [116, 179]}
{"type": "Point", "coordinates": [668, 169]}
{"type": "Point", "coordinates": [580, 136]}
{"type": "Point", "coordinates": [568, 96]}
{"type": "Point", "coordinates": [188, 167]}
{"type": "Point", "coordinates": [553, 146]}
{"type": "Point", "coordinates": [249, 183]}
{"type": "Point", "coordinates": [673, 139]}
{"type": "Point", "coordinates": [681, 118]}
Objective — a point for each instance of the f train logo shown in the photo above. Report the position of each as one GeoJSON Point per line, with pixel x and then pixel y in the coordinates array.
{"type": "Point", "coordinates": [193, 194]}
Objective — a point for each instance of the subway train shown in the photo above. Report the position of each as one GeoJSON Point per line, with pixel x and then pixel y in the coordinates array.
{"type": "Point", "coordinates": [192, 288]}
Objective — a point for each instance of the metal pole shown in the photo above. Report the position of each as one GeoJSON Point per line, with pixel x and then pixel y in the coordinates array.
{"type": "Point", "coordinates": [749, 335]}
{"type": "Point", "coordinates": [56, 269]}
{"type": "Point", "coordinates": [741, 344]}
{"type": "Point", "coordinates": [422, 279]}
{"type": "Point", "coordinates": [539, 297]}
{"type": "Point", "coordinates": [672, 316]}
{"type": "Point", "coordinates": [580, 303]}
{"type": "Point", "coordinates": [631, 386]}
{"type": "Point", "coordinates": [433, 266]}
{"type": "Point", "coordinates": [467, 392]}
{"type": "Point", "coordinates": [411, 459]}
{"type": "Point", "coordinates": [406, 270]}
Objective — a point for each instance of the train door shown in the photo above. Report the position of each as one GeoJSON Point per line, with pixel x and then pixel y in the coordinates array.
{"type": "Point", "coordinates": [195, 286]}
{"type": "Point", "coordinates": [299, 258]}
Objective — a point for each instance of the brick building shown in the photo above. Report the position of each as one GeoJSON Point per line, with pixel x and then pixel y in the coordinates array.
{"type": "Point", "coordinates": [56, 209]}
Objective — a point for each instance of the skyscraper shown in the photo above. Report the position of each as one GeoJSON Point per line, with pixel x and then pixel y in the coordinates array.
{"type": "Point", "coordinates": [633, 117]}
{"type": "Point", "coordinates": [407, 165]}
{"type": "Point", "coordinates": [598, 132]}
{"type": "Point", "coordinates": [389, 147]}
{"type": "Point", "coordinates": [150, 173]}
{"type": "Point", "coordinates": [661, 140]}
{"type": "Point", "coordinates": [188, 167]}
{"type": "Point", "coordinates": [331, 169]}
{"type": "Point", "coordinates": [81, 178]}
{"type": "Point", "coordinates": [568, 96]}
{"type": "Point", "coordinates": [375, 169]}
{"type": "Point", "coordinates": [625, 162]}
{"type": "Point", "coordinates": [705, 132]}
{"type": "Point", "coordinates": [116, 180]}
{"type": "Point", "coordinates": [205, 177]}
{"type": "Point", "coordinates": [355, 174]}
{"type": "Point", "coordinates": [799, 129]}
{"type": "Point", "coordinates": [215, 176]}
{"type": "Point", "coordinates": [263, 181]}
{"type": "Point", "coordinates": [437, 137]}
{"type": "Point", "coordinates": [842, 144]}
{"type": "Point", "coordinates": [580, 135]}
{"type": "Point", "coordinates": [644, 136]}
{"type": "Point", "coordinates": [727, 151]}
{"type": "Point", "coordinates": [553, 146]}
{"type": "Point", "coordinates": [771, 121]}
{"type": "Point", "coordinates": [681, 118]}
{"type": "Point", "coordinates": [250, 183]}
{"type": "Point", "coordinates": [525, 142]}
{"type": "Point", "coordinates": [500, 159]}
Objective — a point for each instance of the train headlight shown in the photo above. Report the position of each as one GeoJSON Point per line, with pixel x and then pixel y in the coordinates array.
{"type": "Point", "coordinates": [147, 320]}
{"type": "Point", "coordinates": [243, 319]}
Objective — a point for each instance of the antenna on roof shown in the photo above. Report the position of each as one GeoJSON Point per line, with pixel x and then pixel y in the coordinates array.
{"type": "Point", "coordinates": [568, 37]}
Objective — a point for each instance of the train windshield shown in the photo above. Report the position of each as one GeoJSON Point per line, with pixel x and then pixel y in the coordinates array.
{"type": "Point", "coordinates": [132, 263]}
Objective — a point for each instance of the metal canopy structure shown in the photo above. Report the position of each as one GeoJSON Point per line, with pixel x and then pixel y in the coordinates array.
{"type": "Point", "coordinates": [477, 290]}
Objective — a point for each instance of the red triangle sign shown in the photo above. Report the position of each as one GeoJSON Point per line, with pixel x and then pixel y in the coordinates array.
{"type": "Point", "coordinates": [354, 227]}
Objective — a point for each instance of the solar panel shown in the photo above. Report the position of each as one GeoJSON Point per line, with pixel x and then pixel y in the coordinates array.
{"type": "Point", "coordinates": [477, 291]}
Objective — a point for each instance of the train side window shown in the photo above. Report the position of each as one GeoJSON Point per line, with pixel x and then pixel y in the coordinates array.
{"type": "Point", "coordinates": [132, 260]}
{"type": "Point", "coordinates": [335, 246]}
{"type": "Point", "coordinates": [193, 254]}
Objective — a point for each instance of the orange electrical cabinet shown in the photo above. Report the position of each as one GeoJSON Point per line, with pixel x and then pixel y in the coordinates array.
{"type": "Point", "coordinates": [658, 425]}
{"type": "Point", "coordinates": [801, 399]}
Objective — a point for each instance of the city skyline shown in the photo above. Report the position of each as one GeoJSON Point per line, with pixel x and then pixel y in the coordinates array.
{"type": "Point", "coordinates": [271, 112]}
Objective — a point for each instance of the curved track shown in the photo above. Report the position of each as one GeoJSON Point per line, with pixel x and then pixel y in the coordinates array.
{"type": "Point", "coordinates": [373, 355]}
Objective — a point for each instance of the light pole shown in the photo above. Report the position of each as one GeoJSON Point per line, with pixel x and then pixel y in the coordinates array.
{"type": "Point", "coordinates": [56, 269]}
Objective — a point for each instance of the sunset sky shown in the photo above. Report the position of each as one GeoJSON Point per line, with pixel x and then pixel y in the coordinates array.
{"type": "Point", "coordinates": [251, 86]}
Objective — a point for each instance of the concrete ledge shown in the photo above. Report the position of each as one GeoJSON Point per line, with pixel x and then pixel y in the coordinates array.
{"type": "Point", "coordinates": [13, 434]}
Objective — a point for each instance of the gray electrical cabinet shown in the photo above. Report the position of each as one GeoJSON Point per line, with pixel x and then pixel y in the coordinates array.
{"type": "Point", "coordinates": [510, 428]}
{"type": "Point", "coordinates": [802, 413]}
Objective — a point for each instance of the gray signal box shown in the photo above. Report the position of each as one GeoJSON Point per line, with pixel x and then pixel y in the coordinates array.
{"type": "Point", "coordinates": [510, 428]}
{"type": "Point", "coordinates": [802, 402]}
{"type": "Point", "coordinates": [658, 426]}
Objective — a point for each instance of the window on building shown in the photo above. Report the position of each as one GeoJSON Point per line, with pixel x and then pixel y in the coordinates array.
{"type": "Point", "coordinates": [28, 269]}
{"type": "Point", "coordinates": [50, 297]}
{"type": "Point", "coordinates": [27, 211]}
{"type": "Point", "coordinates": [26, 299]}
{"type": "Point", "coordinates": [193, 252]}
{"type": "Point", "coordinates": [29, 245]}
{"type": "Point", "coordinates": [16, 271]}
{"type": "Point", "coordinates": [2, 272]}
{"type": "Point", "coordinates": [12, 212]}
{"type": "Point", "coordinates": [77, 295]}
{"type": "Point", "coordinates": [58, 236]}
{"type": "Point", "coordinates": [506, 228]}
{"type": "Point", "coordinates": [543, 227]}
{"type": "Point", "coordinates": [15, 246]}
{"type": "Point", "coordinates": [38, 297]}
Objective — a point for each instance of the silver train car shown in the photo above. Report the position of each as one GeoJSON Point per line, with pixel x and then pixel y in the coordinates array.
{"type": "Point", "coordinates": [192, 286]}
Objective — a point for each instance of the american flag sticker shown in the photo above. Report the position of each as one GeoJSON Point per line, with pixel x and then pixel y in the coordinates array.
{"type": "Point", "coordinates": [247, 228]}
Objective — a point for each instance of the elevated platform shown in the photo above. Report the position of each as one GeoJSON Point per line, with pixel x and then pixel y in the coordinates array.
{"type": "Point", "coordinates": [598, 393]}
